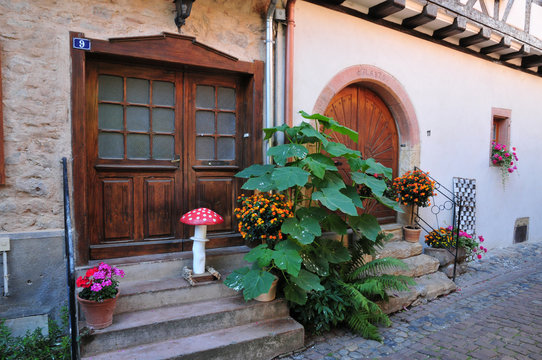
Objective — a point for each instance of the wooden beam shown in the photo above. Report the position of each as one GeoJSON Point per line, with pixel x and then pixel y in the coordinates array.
{"type": "Point", "coordinates": [524, 51]}
{"type": "Point", "coordinates": [386, 8]}
{"type": "Point", "coordinates": [531, 61]}
{"type": "Point", "coordinates": [482, 36]}
{"type": "Point", "coordinates": [505, 43]}
{"type": "Point", "coordinates": [457, 27]}
{"type": "Point", "coordinates": [428, 14]}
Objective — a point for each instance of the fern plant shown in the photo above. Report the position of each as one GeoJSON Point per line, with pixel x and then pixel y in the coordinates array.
{"type": "Point", "coordinates": [352, 290]}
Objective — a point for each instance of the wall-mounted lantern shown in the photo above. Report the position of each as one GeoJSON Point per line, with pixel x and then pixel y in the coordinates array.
{"type": "Point", "coordinates": [183, 11]}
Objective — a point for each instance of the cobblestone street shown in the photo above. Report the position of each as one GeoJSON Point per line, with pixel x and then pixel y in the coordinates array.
{"type": "Point", "coordinates": [495, 314]}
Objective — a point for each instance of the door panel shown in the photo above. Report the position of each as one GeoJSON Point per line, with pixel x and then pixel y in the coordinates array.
{"type": "Point", "coordinates": [362, 110]}
{"type": "Point", "coordinates": [217, 193]}
{"type": "Point", "coordinates": [118, 209]}
{"type": "Point", "coordinates": [159, 207]}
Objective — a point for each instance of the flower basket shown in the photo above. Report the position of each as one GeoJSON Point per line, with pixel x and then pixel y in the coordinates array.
{"type": "Point", "coordinates": [98, 315]}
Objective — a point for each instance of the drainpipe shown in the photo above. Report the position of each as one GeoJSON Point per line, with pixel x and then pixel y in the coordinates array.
{"type": "Point", "coordinates": [288, 91]}
{"type": "Point", "coordinates": [269, 75]}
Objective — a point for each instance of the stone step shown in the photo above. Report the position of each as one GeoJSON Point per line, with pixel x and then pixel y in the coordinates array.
{"type": "Point", "coordinates": [418, 265]}
{"type": "Point", "coordinates": [256, 341]}
{"type": "Point", "coordinates": [428, 287]}
{"type": "Point", "coordinates": [142, 295]}
{"type": "Point", "coordinates": [173, 322]}
{"type": "Point", "coordinates": [167, 266]}
{"type": "Point", "coordinates": [395, 229]}
{"type": "Point", "coordinates": [399, 250]}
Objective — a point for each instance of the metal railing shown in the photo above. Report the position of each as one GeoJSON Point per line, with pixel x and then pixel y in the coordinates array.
{"type": "Point", "coordinates": [443, 204]}
{"type": "Point", "coordinates": [70, 266]}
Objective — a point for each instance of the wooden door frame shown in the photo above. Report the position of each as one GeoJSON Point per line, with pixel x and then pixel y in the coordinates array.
{"type": "Point", "coordinates": [172, 49]}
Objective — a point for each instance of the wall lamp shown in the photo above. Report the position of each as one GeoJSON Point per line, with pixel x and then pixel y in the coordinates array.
{"type": "Point", "coordinates": [183, 11]}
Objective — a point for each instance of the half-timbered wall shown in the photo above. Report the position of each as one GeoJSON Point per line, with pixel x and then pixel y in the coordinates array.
{"type": "Point", "coordinates": [453, 95]}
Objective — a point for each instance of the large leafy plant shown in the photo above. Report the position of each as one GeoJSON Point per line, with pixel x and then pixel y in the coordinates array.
{"type": "Point", "coordinates": [322, 201]}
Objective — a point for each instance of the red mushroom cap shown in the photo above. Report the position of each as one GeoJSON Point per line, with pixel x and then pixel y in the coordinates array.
{"type": "Point", "coordinates": [201, 216]}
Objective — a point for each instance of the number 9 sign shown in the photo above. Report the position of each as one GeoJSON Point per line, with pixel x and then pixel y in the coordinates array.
{"type": "Point", "coordinates": [82, 44]}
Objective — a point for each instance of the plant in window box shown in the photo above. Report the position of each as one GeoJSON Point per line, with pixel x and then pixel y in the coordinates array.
{"type": "Point", "coordinates": [320, 201]}
{"type": "Point", "coordinates": [99, 295]}
{"type": "Point", "coordinates": [505, 159]}
{"type": "Point", "coordinates": [413, 189]}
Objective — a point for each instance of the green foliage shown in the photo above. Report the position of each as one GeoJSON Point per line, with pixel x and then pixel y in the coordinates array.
{"type": "Point", "coordinates": [304, 170]}
{"type": "Point", "coordinates": [351, 290]}
{"type": "Point", "coordinates": [35, 345]}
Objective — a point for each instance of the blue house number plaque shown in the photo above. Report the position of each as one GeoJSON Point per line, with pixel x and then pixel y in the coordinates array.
{"type": "Point", "coordinates": [82, 44]}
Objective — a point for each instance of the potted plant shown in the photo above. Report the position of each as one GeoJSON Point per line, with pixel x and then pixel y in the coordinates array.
{"type": "Point", "coordinates": [504, 159]}
{"type": "Point", "coordinates": [99, 295]}
{"type": "Point", "coordinates": [469, 247]}
{"type": "Point", "coordinates": [413, 189]}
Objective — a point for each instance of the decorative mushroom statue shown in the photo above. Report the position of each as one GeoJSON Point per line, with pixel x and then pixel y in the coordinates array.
{"type": "Point", "coordinates": [201, 218]}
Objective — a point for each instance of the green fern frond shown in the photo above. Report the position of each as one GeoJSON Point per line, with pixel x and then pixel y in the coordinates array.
{"type": "Point", "coordinates": [357, 299]}
{"type": "Point", "coordinates": [358, 323]}
{"type": "Point", "coordinates": [394, 282]}
{"type": "Point", "coordinates": [370, 287]}
{"type": "Point", "coordinates": [375, 267]}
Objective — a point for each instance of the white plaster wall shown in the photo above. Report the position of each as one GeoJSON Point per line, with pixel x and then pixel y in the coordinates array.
{"type": "Point", "coordinates": [452, 94]}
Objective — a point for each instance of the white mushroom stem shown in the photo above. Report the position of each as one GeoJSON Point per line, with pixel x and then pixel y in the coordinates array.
{"type": "Point", "coordinates": [198, 248]}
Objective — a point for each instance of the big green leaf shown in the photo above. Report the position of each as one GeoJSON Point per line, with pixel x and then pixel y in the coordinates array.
{"type": "Point", "coordinates": [307, 281]}
{"type": "Point", "coordinates": [338, 149]}
{"type": "Point", "coordinates": [389, 203]}
{"type": "Point", "coordinates": [365, 224]}
{"type": "Point", "coordinates": [331, 180]}
{"type": "Point", "coordinates": [281, 153]}
{"type": "Point", "coordinates": [304, 231]}
{"type": "Point", "coordinates": [256, 282]}
{"type": "Point", "coordinates": [312, 133]}
{"type": "Point", "coordinates": [255, 170]}
{"type": "Point", "coordinates": [353, 194]}
{"type": "Point", "coordinates": [288, 260]}
{"type": "Point", "coordinates": [316, 263]}
{"type": "Point", "coordinates": [269, 132]}
{"type": "Point", "coordinates": [335, 223]}
{"type": "Point", "coordinates": [286, 177]}
{"type": "Point", "coordinates": [318, 164]}
{"type": "Point", "coordinates": [260, 255]}
{"type": "Point", "coordinates": [235, 279]}
{"type": "Point", "coordinates": [377, 186]}
{"type": "Point", "coordinates": [314, 212]}
{"type": "Point", "coordinates": [262, 183]}
{"type": "Point", "coordinates": [370, 166]}
{"type": "Point", "coordinates": [334, 251]}
{"type": "Point", "coordinates": [287, 244]}
{"type": "Point", "coordinates": [355, 164]}
{"type": "Point", "coordinates": [295, 294]}
{"type": "Point", "coordinates": [333, 199]}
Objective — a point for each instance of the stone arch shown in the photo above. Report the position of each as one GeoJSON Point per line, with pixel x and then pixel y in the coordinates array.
{"type": "Point", "coordinates": [394, 96]}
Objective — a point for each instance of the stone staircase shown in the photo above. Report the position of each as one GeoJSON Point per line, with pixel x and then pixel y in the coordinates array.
{"type": "Point", "coordinates": [160, 316]}
{"type": "Point", "coordinates": [430, 283]}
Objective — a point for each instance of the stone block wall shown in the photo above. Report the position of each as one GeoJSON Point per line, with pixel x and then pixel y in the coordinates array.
{"type": "Point", "coordinates": [36, 80]}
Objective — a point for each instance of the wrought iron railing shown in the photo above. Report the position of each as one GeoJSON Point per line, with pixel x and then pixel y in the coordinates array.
{"type": "Point", "coordinates": [70, 266]}
{"type": "Point", "coordinates": [444, 204]}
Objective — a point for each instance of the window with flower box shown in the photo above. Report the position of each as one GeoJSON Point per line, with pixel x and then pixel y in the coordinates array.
{"type": "Point", "coordinates": [500, 126]}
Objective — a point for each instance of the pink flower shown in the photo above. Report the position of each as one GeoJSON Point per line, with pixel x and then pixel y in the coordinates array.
{"type": "Point", "coordinates": [481, 248]}
{"type": "Point", "coordinates": [515, 167]}
{"type": "Point", "coordinates": [494, 161]}
{"type": "Point", "coordinates": [500, 158]}
{"type": "Point", "coordinates": [479, 256]}
{"type": "Point", "coordinates": [118, 272]}
{"type": "Point", "coordinates": [506, 154]}
{"type": "Point", "coordinates": [511, 163]}
{"type": "Point", "coordinates": [96, 287]}
{"type": "Point", "coordinates": [510, 170]}
{"type": "Point", "coordinates": [481, 238]}
{"type": "Point", "coordinates": [485, 250]}
{"type": "Point", "coordinates": [99, 275]}
{"type": "Point", "coordinates": [107, 283]}
{"type": "Point", "coordinates": [514, 148]}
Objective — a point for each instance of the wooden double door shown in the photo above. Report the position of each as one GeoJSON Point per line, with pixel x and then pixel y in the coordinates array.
{"type": "Point", "coordinates": [364, 111]}
{"type": "Point", "coordinates": [159, 142]}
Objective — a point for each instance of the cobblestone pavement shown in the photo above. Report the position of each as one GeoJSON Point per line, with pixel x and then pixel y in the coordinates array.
{"type": "Point", "coordinates": [495, 314]}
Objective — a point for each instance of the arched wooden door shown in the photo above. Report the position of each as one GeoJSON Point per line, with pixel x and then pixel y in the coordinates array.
{"type": "Point", "coordinates": [362, 110]}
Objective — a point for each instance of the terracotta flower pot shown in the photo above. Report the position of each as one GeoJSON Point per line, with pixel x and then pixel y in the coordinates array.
{"type": "Point", "coordinates": [98, 315]}
{"type": "Point", "coordinates": [270, 295]}
{"type": "Point", "coordinates": [411, 233]}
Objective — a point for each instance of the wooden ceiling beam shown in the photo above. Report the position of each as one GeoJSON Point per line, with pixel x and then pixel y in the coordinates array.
{"type": "Point", "coordinates": [531, 61]}
{"type": "Point", "coordinates": [457, 27]}
{"type": "Point", "coordinates": [386, 8]}
{"type": "Point", "coordinates": [504, 44]}
{"type": "Point", "coordinates": [524, 51]}
{"type": "Point", "coordinates": [483, 35]}
{"type": "Point", "coordinates": [428, 14]}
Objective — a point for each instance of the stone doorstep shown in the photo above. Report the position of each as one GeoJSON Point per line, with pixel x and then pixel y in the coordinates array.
{"type": "Point", "coordinates": [150, 294]}
{"type": "Point", "coordinates": [256, 341]}
{"type": "Point", "coordinates": [417, 266]}
{"type": "Point", "coordinates": [399, 250]}
{"type": "Point", "coordinates": [395, 229]}
{"type": "Point", "coordinates": [159, 324]}
{"type": "Point", "coordinates": [428, 287]}
{"type": "Point", "coordinates": [170, 265]}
